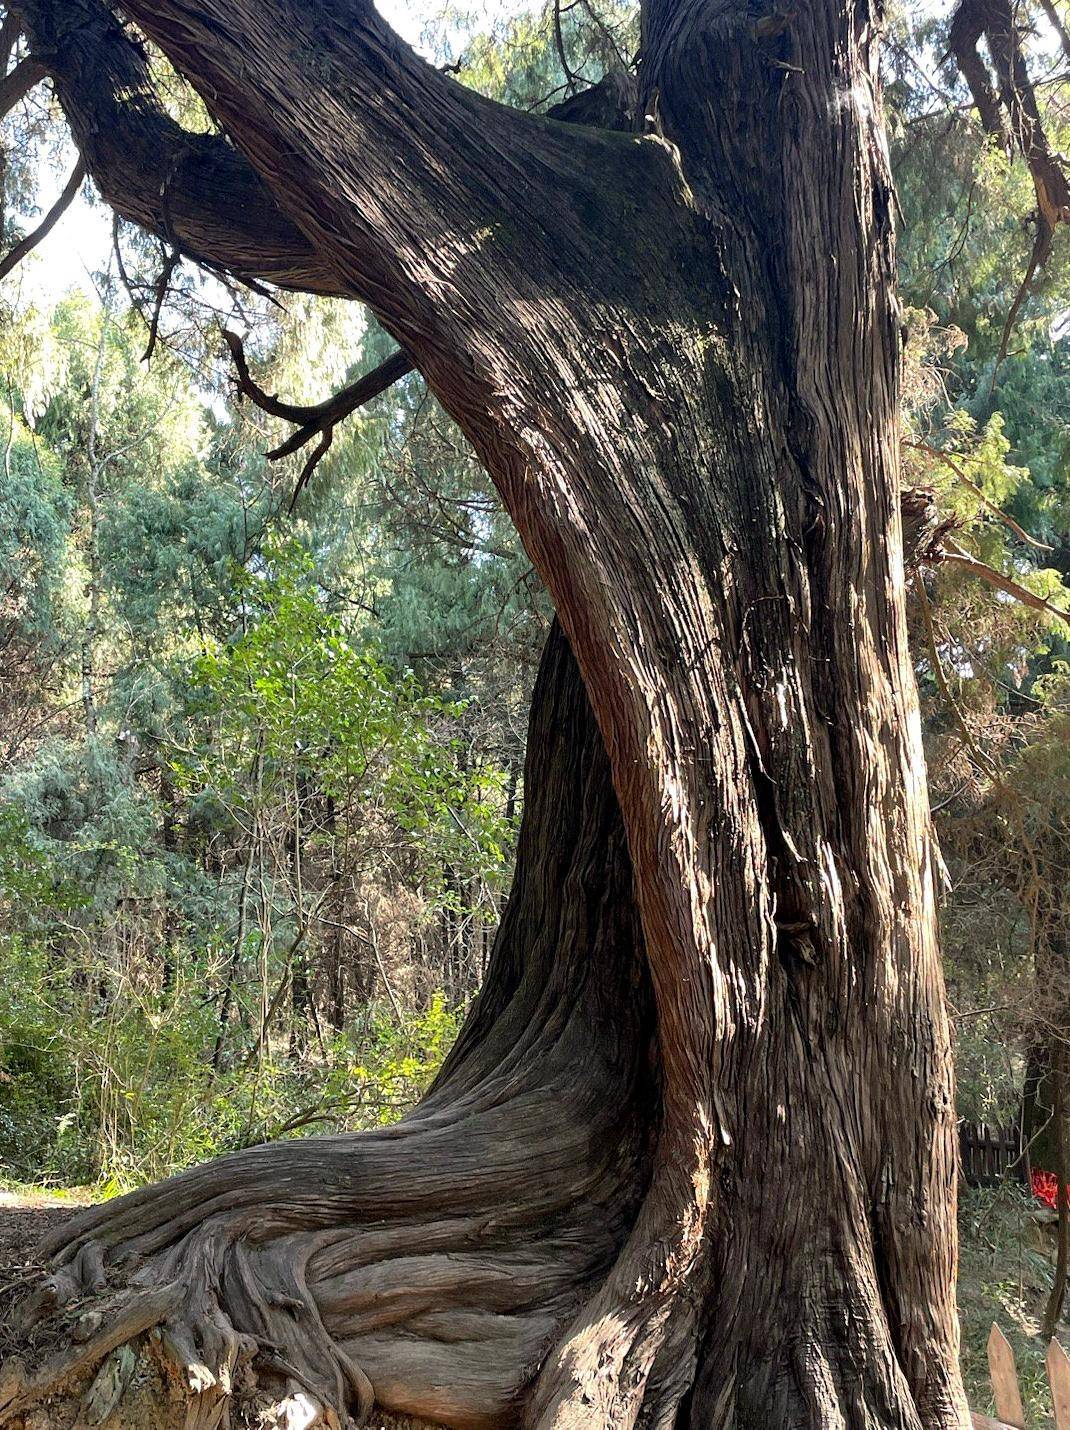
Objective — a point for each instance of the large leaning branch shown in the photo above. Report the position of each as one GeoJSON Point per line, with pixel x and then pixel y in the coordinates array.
{"type": "Point", "coordinates": [18, 83]}
{"type": "Point", "coordinates": [954, 554]}
{"type": "Point", "coordinates": [195, 191]}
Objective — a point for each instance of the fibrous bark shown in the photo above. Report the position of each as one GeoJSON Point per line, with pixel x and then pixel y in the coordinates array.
{"type": "Point", "coordinates": [194, 190]}
{"type": "Point", "coordinates": [677, 354]}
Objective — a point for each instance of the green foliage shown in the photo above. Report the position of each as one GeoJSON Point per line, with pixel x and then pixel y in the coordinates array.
{"type": "Point", "coordinates": [238, 828]}
{"type": "Point", "coordinates": [35, 516]}
{"type": "Point", "coordinates": [297, 695]}
{"type": "Point", "coordinates": [104, 1081]}
{"type": "Point", "coordinates": [374, 1074]}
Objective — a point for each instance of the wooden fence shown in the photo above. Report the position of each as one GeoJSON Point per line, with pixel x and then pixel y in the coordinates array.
{"type": "Point", "coordinates": [988, 1154]}
{"type": "Point", "coordinates": [1006, 1395]}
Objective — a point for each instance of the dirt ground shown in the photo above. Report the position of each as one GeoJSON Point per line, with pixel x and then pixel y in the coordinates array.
{"type": "Point", "coordinates": [24, 1220]}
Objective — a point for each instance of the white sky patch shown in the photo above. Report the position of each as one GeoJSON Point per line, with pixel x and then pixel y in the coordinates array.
{"type": "Point", "coordinates": [77, 246]}
{"type": "Point", "coordinates": [409, 20]}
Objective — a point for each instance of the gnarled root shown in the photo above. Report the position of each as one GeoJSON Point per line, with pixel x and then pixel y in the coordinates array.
{"type": "Point", "coordinates": [425, 1267]}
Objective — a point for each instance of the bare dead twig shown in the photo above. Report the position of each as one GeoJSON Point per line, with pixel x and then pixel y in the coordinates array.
{"type": "Point", "coordinates": [954, 553]}
{"type": "Point", "coordinates": [559, 45]}
{"type": "Point", "coordinates": [163, 283]}
{"type": "Point", "coordinates": [1038, 257]}
{"type": "Point", "coordinates": [982, 760]}
{"type": "Point", "coordinates": [317, 420]}
{"type": "Point", "coordinates": [26, 245]}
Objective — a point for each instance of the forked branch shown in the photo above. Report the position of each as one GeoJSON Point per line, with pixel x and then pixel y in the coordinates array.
{"type": "Point", "coordinates": [317, 420]}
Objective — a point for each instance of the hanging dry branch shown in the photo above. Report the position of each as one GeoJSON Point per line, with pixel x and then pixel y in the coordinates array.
{"type": "Point", "coordinates": [26, 245]}
{"type": "Point", "coordinates": [571, 78]}
{"type": "Point", "coordinates": [163, 283]}
{"type": "Point", "coordinates": [317, 420]}
{"type": "Point", "coordinates": [958, 557]}
{"type": "Point", "coordinates": [1006, 103]}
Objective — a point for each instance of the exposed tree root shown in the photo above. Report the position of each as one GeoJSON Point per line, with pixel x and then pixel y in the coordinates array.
{"type": "Point", "coordinates": [426, 1268]}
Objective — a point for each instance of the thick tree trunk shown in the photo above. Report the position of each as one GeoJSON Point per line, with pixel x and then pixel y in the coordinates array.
{"type": "Point", "coordinates": [677, 356]}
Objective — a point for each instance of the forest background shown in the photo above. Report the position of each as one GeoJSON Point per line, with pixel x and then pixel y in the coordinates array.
{"type": "Point", "coordinates": [262, 722]}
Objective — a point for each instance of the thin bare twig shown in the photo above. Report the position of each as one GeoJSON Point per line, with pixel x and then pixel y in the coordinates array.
{"type": "Point", "coordinates": [559, 45]}
{"type": "Point", "coordinates": [319, 450]}
{"type": "Point", "coordinates": [978, 754]}
{"type": "Point", "coordinates": [1038, 257]}
{"type": "Point", "coordinates": [163, 283]}
{"type": "Point", "coordinates": [26, 245]}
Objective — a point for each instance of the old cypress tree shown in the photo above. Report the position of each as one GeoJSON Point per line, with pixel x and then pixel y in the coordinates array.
{"type": "Point", "coordinates": [691, 1161]}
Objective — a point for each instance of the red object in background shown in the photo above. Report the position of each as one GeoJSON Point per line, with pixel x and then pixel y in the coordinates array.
{"type": "Point", "coordinates": [1046, 1188]}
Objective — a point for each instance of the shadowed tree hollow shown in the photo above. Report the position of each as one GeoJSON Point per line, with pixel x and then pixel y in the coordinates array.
{"type": "Point", "coordinates": [691, 1161]}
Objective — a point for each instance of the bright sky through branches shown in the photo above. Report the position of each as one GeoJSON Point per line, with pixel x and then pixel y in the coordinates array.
{"type": "Point", "coordinates": [79, 243]}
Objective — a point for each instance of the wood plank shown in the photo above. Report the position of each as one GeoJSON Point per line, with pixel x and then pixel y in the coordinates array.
{"type": "Point", "coordinates": [985, 1422]}
{"type": "Point", "coordinates": [1059, 1380]}
{"type": "Point", "coordinates": [1005, 1392]}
